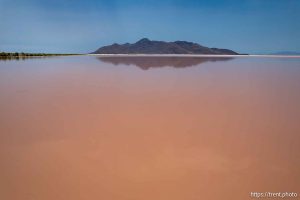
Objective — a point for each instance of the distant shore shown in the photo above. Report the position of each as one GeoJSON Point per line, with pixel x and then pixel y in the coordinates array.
{"type": "Point", "coordinates": [23, 56]}
{"type": "Point", "coordinates": [16, 55]}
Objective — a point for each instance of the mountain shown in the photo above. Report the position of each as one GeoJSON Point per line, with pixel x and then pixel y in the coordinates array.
{"type": "Point", "coordinates": [146, 46]}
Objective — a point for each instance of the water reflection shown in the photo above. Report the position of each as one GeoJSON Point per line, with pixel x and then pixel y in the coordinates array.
{"type": "Point", "coordinates": [148, 62]}
{"type": "Point", "coordinates": [22, 58]}
{"type": "Point", "coordinates": [6, 58]}
{"type": "Point", "coordinates": [77, 128]}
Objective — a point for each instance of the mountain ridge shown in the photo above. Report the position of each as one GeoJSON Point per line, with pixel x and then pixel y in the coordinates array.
{"type": "Point", "coordinates": [146, 46]}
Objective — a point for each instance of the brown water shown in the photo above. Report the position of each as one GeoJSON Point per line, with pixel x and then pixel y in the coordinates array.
{"type": "Point", "coordinates": [87, 128]}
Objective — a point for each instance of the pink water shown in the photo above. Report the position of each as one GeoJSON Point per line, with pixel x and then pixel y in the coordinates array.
{"type": "Point", "coordinates": [155, 128]}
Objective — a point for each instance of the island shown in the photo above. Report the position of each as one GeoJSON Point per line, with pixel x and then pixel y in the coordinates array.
{"type": "Point", "coordinates": [146, 46]}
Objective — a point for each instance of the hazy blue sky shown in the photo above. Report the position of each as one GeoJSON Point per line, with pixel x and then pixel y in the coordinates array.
{"type": "Point", "coordinates": [247, 26]}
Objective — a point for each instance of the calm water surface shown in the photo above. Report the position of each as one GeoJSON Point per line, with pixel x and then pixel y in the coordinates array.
{"type": "Point", "coordinates": [148, 128]}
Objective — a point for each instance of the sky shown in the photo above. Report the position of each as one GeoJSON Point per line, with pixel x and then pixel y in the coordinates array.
{"type": "Point", "coordinates": [82, 26]}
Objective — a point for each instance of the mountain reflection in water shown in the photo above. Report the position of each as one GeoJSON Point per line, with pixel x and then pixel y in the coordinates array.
{"type": "Point", "coordinates": [77, 128]}
{"type": "Point", "coordinates": [146, 62]}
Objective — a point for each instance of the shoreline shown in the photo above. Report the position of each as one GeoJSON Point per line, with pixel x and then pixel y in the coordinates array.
{"type": "Point", "coordinates": [23, 56]}
{"type": "Point", "coordinates": [192, 55]}
{"type": "Point", "coordinates": [13, 56]}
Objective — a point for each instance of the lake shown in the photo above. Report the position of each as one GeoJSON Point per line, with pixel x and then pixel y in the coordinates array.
{"type": "Point", "coordinates": [145, 128]}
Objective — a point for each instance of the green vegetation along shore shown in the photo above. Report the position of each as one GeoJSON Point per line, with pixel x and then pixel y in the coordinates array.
{"type": "Point", "coordinates": [16, 55]}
